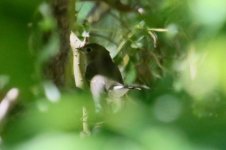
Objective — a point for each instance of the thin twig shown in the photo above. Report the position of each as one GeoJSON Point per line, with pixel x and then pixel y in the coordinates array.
{"type": "Point", "coordinates": [8, 102]}
{"type": "Point", "coordinates": [158, 29]}
{"type": "Point", "coordinates": [86, 130]}
{"type": "Point", "coordinates": [157, 61]}
{"type": "Point", "coordinates": [154, 37]}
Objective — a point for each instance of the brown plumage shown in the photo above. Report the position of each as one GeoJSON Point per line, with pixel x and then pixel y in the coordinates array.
{"type": "Point", "coordinates": [99, 62]}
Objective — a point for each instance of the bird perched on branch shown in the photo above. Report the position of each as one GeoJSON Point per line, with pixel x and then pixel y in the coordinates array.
{"type": "Point", "coordinates": [104, 77]}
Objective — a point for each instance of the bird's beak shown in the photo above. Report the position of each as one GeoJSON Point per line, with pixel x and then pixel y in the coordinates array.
{"type": "Point", "coordinates": [81, 50]}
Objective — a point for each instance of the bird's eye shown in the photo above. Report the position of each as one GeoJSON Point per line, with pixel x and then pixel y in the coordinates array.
{"type": "Point", "coordinates": [88, 49]}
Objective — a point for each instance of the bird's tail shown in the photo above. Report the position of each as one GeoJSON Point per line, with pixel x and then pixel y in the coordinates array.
{"type": "Point", "coordinates": [137, 87]}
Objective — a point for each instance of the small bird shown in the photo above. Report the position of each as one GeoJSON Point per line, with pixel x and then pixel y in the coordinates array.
{"type": "Point", "coordinates": [99, 62]}
{"type": "Point", "coordinates": [104, 78]}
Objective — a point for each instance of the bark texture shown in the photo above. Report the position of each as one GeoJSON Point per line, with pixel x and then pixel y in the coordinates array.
{"type": "Point", "coordinates": [56, 66]}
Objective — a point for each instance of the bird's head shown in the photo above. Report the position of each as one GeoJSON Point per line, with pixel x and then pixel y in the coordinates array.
{"type": "Point", "coordinates": [94, 52]}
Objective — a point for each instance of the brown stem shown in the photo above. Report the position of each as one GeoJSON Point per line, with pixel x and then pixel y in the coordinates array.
{"type": "Point", "coordinates": [56, 67]}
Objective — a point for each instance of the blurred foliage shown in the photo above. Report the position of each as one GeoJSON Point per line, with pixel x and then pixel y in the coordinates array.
{"type": "Point", "coordinates": [176, 47]}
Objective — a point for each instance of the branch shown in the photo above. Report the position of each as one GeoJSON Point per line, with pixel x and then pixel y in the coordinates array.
{"type": "Point", "coordinates": [78, 61]}
{"type": "Point", "coordinates": [79, 71]}
{"type": "Point", "coordinates": [56, 67]}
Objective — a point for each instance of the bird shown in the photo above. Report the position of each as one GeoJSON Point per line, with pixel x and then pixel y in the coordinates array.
{"type": "Point", "coordinates": [104, 78]}
{"type": "Point", "coordinates": [99, 62]}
